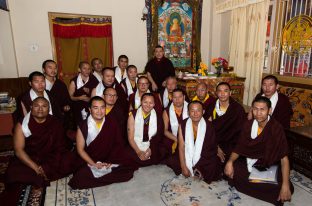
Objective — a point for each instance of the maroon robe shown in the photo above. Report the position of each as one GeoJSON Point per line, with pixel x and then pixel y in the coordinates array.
{"type": "Point", "coordinates": [208, 105]}
{"type": "Point", "coordinates": [158, 106]}
{"type": "Point", "coordinates": [207, 164]}
{"type": "Point", "coordinates": [269, 148]}
{"type": "Point", "coordinates": [123, 83]}
{"type": "Point", "coordinates": [106, 147]}
{"type": "Point", "coordinates": [60, 93]}
{"type": "Point", "coordinates": [228, 126]}
{"type": "Point", "coordinates": [154, 144]}
{"type": "Point", "coordinates": [25, 98]}
{"type": "Point", "coordinates": [160, 70]}
{"type": "Point", "coordinates": [44, 146]}
{"type": "Point", "coordinates": [283, 110]}
{"type": "Point", "coordinates": [80, 105]}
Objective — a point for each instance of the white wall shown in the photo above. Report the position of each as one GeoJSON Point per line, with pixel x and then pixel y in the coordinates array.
{"type": "Point", "coordinates": [8, 67]}
{"type": "Point", "coordinates": [31, 27]}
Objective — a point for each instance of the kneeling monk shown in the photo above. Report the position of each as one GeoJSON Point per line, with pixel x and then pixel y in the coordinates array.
{"type": "Point", "coordinates": [38, 143]}
{"type": "Point", "coordinates": [100, 147]}
{"type": "Point", "coordinates": [262, 144]}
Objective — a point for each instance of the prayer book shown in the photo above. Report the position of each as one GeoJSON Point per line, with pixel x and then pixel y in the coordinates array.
{"type": "Point", "coordinates": [267, 176]}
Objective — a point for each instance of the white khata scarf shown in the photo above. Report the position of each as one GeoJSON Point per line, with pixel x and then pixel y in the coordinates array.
{"type": "Point", "coordinates": [93, 131]}
{"type": "Point", "coordinates": [33, 96]}
{"type": "Point", "coordinates": [118, 75]}
{"type": "Point", "coordinates": [99, 89]}
{"type": "Point", "coordinates": [129, 86]}
{"type": "Point", "coordinates": [166, 98]}
{"type": "Point", "coordinates": [253, 135]}
{"type": "Point", "coordinates": [98, 77]}
{"type": "Point", "coordinates": [80, 82]}
{"type": "Point", "coordinates": [218, 110]}
{"type": "Point", "coordinates": [193, 150]}
{"type": "Point", "coordinates": [273, 100]}
{"type": "Point", "coordinates": [49, 85]}
{"type": "Point", "coordinates": [25, 127]}
{"type": "Point", "coordinates": [137, 99]}
{"type": "Point", "coordinates": [139, 126]}
{"type": "Point", "coordinates": [174, 124]}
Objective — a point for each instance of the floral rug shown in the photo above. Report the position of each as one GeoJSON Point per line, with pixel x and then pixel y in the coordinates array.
{"type": "Point", "coordinates": [157, 185]}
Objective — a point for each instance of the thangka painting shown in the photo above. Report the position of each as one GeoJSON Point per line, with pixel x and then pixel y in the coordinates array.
{"type": "Point", "coordinates": [176, 26]}
{"type": "Point", "coordinates": [175, 32]}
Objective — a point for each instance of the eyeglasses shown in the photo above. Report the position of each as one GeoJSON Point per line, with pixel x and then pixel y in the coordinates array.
{"type": "Point", "coordinates": [111, 95]}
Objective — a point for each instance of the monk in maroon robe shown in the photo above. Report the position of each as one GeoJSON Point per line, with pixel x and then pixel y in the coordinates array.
{"type": "Point", "coordinates": [145, 132]}
{"type": "Point", "coordinates": [203, 96]}
{"type": "Point", "coordinates": [158, 69]}
{"type": "Point", "coordinates": [38, 144]}
{"type": "Point", "coordinates": [227, 116]}
{"type": "Point", "coordinates": [109, 80]}
{"type": "Point", "coordinates": [112, 110]}
{"type": "Point", "coordinates": [135, 98]}
{"type": "Point", "coordinates": [129, 84]}
{"type": "Point", "coordinates": [197, 146]}
{"type": "Point", "coordinates": [282, 110]}
{"type": "Point", "coordinates": [172, 118]}
{"type": "Point", "coordinates": [99, 145]}
{"type": "Point", "coordinates": [262, 144]}
{"type": "Point", "coordinates": [37, 84]}
{"type": "Point", "coordinates": [80, 89]}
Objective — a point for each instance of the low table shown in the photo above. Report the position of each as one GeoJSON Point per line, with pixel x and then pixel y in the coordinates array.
{"type": "Point", "coordinates": [300, 144]}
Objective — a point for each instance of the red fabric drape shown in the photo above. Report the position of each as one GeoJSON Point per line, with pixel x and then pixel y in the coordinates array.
{"type": "Point", "coordinates": [82, 30]}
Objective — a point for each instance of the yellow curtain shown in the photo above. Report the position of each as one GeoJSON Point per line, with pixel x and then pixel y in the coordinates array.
{"type": "Point", "coordinates": [247, 43]}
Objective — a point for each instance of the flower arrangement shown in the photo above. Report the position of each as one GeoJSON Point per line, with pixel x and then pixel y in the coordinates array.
{"type": "Point", "coordinates": [219, 63]}
{"type": "Point", "coordinates": [203, 69]}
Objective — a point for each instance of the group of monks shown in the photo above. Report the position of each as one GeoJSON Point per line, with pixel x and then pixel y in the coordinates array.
{"type": "Point", "coordinates": [125, 122]}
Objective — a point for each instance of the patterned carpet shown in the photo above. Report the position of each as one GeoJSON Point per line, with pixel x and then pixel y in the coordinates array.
{"type": "Point", "coordinates": [166, 189]}
{"type": "Point", "coordinates": [20, 195]}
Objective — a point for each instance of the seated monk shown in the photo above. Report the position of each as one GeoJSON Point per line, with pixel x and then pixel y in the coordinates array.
{"type": "Point", "coordinates": [227, 116]}
{"type": "Point", "coordinates": [203, 96]}
{"type": "Point", "coordinates": [262, 143]}
{"type": "Point", "coordinates": [112, 110]}
{"type": "Point", "coordinates": [38, 85]}
{"type": "Point", "coordinates": [80, 89]}
{"type": "Point", "coordinates": [166, 93]}
{"type": "Point", "coordinates": [135, 98]}
{"type": "Point", "coordinates": [38, 144]}
{"type": "Point", "coordinates": [281, 107]}
{"type": "Point", "coordinates": [129, 84]}
{"type": "Point", "coordinates": [109, 80]}
{"type": "Point", "coordinates": [197, 146]}
{"type": "Point", "coordinates": [145, 132]}
{"type": "Point", "coordinates": [172, 117]}
{"type": "Point", "coordinates": [100, 147]}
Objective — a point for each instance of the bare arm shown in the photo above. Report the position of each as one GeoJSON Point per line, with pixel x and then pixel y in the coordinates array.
{"type": "Point", "coordinates": [166, 126]}
{"type": "Point", "coordinates": [19, 146]}
{"type": "Point", "coordinates": [80, 148]}
{"type": "Point", "coordinates": [185, 170]}
{"type": "Point", "coordinates": [93, 92]}
{"type": "Point", "coordinates": [71, 91]}
{"type": "Point", "coordinates": [285, 193]}
{"type": "Point", "coordinates": [150, 78]}
{"type": "Point", "coordinates": [229, 169]}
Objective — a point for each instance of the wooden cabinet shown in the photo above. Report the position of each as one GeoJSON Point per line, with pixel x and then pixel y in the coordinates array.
{"type": "Point", "coordinates": [236, 83]}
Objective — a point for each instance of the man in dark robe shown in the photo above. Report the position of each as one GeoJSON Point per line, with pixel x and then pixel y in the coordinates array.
{"type": "Point", "coordinates": [145, 130]}
{"type": "Point", "coordinates": [114, 111]}
{"type": "Point", "coordinates": [281, 107]}
{"type": "Point", "coordinates": [158, 69]}
{"type": "Point", "coordinates": [129, 84]}
{"type": "Point", "coordinates": [37, 84]}
{"type": "Point", "coordinates": [80, 89]}
{"type": "Point", "coordinates": [38, 145]}
{"type": "Point", "coordinates": [166, 93]}
{"type": "Point", "coordinates": [97, 66]}
{"type": "Point", "coordinates": [135, 98]}
{"type": "Point", "coordinates": [172, 118]}
{"type": "Point", "coordinates": [100, 147]}
{"type": "Point", "coordinates": [120, 70]}
{"type": "Point", "coordinates": [197, 146]}
{"type": "Point", "coordinates": [227, 116]}
{"type": "Point", "coordinates": [203, 96]}
{"type": "Point", "coordinates": [262, 143]}
{"type": "Point", "coordinates": [109, 80]}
